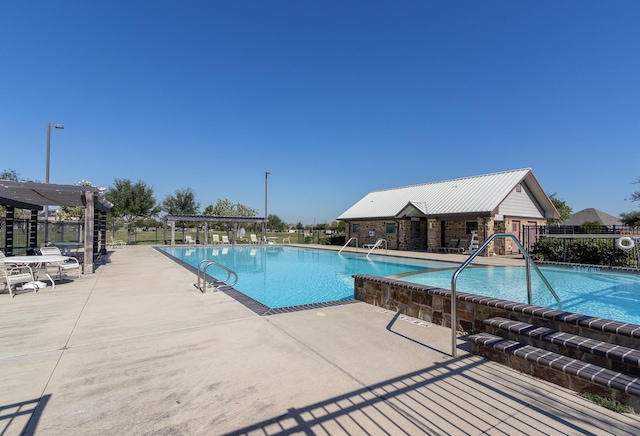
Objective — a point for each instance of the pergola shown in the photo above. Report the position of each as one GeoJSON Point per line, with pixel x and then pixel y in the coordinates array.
{"type": "Point", "coordinates": [34, 196]}
{"type": "Point", "coordinates": [208, 219]}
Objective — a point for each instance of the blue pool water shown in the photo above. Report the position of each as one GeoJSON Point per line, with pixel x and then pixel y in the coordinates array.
{"type": "Point", "coordinates": [589, 291]}
{"type": "Point", "coordinates": [279, 276]}
{"type": "Point", "coordinates": [291, 276]}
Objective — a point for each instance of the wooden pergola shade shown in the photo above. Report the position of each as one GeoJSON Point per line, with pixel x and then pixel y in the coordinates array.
{"type": "Point", "coordinates": [34, 196]}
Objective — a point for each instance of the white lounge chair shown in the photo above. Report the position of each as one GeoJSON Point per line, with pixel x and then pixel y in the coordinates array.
{"type": "Point", "coordinates": [117, 243]}
{"type": "Point", "coordinates": [189, 240]}
{"type": "Point", "coordinates": [225, 240]}
{"type": "Point", "coordinates": [11, 277]}
{"type": "Point", "coordinates": [254, 238]}
{"type": "Point", "coordinates": [215, 238]}
{"type": "Point", "coordinates": [70, 264]}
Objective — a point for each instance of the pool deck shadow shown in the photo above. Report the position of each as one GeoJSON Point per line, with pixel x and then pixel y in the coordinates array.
{"type": "Point", "coordinates": [135, 349]}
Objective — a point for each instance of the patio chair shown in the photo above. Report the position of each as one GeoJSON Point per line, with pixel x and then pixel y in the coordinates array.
{"type": "Point", "coordinates": [462, 247]}
{"type": "Point", "coordinates": [11, 277]}
{"type": "Point", "coordinates": [225, 240]}
{"type": "Point", "coordinates": [63, 266]}
{"type": "Point", "coordinates": [215, 238]}
{"type": "Point", "coordinates": [453, 243]}
{"type": "Point", "coordinates": [254, 238]}
{"type": "Point", "coordinates": [189, 240]}
{"type": "Point", "coordinates": [117, 243]}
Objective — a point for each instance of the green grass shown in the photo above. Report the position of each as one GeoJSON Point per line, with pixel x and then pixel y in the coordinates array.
{"type": "Point", "coordinates": [608, 403]}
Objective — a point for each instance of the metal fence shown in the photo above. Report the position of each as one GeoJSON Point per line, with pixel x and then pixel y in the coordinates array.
{"type": "Point", "coordinates": [586, 244]}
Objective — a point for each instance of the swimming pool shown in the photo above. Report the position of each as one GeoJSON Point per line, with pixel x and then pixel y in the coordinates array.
{"type": "Point", "coordinates": [590, 291]}
{"type": "Point", "coordinates": [278, 276]}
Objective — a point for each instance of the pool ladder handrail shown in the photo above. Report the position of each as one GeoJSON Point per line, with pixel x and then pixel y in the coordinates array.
{"type": "Point", "coordinates": [528, 262]}
{"type": "Point", "coordinates": [377, 244]}
{"type": "Point", "coordinates": [345, 245]}
{"type": "Point", "coordinates": [202, 276]}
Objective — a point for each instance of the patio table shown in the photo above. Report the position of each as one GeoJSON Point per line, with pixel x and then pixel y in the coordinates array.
{"type": "Point", "coordinates": [66, 247]}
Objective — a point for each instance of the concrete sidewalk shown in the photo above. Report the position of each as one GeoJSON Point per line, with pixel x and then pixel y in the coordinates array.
{"type": "Point", "coordinates": [136, 349]}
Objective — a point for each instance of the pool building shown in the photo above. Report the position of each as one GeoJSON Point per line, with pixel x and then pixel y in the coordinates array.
{"type": "Point", "coordinates": [426, 217]}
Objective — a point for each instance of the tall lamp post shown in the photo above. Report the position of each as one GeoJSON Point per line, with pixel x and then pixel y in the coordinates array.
{"type": "Point", "coordinates": [266, 215]}
{"type": "Point", "coordinates": [46, 207]}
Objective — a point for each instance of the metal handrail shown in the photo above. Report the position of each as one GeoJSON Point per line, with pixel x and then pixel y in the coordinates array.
{"type": "Point", "coordinates": [377, 244]}
{"type": "Point", "coordinates": [345, 245]}
{"type": "Point", "coordinates": [528, 262]}
{"type": "Point", "coordinates": [202, 274]}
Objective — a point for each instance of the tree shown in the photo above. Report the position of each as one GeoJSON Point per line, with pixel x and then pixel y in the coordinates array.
{"type": "Point", "coordinates": [275, 223]}
{"type": "Point", "coordinates": [632, 218]}
{"type": "Point", "coordinates": [182, 203]}
{"type": "Point", "coordinates": [9, 175]}
{"type": "Point", "coordinates": [131, 202]}
{"type": "Point", "coordinates": [227, 208]}
{"type": "Point", "coordinates": [563, 209]}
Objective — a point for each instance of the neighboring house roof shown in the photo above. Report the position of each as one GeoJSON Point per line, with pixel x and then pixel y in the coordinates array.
{"type": "Point", "coordinates": [478, 194]}
{"type": "Point", "coordinates": [590, 215]}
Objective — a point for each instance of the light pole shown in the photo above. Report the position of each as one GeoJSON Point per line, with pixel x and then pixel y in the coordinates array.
{"type": "Point", "coordinates": [266, 216]}
{"type": "Point", "coordinates": [46, 206]}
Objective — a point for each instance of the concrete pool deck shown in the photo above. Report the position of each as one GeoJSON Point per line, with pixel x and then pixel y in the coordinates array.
{"type": "Point", "coordinates": [136, 349]}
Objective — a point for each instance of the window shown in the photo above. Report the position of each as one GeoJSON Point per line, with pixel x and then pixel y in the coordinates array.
{"type": "Point", "coordinates": [470, 226]}
{"type": "Point", "coordinates": [389, 228]}
{"type": "Point", "coordinates": [355, 228]}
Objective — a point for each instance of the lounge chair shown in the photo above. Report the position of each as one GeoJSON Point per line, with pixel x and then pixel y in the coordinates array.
{"type": "Point", "coordinates": [189, 240]}
{"type": "Point", "coordinates": [254, 238]}
{"type": "Point", "coordinates": [225, 240]}
{"type": "Point", "coordinates": [215, 238]}
{"type": "Point", "coordinates": [462, 247]}
{"type": "Point", "coordinates": [117, 243]}
{"type": "Point", "coordinates": [453, 243]}
{"type": "Point", "coordinates": [11, 277]}
{"type": "Point", "coordinates": [70, 264]}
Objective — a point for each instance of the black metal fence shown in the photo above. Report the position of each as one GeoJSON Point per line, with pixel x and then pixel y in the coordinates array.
{"type": "Point", "coordinates": [588, 244]}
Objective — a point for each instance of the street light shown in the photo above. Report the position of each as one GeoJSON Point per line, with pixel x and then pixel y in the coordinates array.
{"type": "Point", "coordinates": [264, 226]}
{"type": "Point", "coordinates": [46, 207]}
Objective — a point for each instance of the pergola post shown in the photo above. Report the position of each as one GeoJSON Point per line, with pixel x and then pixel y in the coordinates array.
{"type": "Point", "coordinates": [89, 221]}
{"type": "Point", "coordinates": [8, 237]}
{"type": "Point", "coordinates": [33, 229]}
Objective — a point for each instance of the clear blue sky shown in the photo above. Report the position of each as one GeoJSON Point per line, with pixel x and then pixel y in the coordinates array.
{"type": "Point", "coordinates": [334, 98]}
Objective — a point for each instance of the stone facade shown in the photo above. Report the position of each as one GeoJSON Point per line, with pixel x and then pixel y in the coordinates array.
{"type": "Point", "coordinates": [426, 234]}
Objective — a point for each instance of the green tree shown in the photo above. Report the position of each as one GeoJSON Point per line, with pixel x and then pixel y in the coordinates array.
{"type": "Point", "coordinates": [131, 202]}
{"type": "Point", "coordinates": [225, 207]}
{"type": "Point", "coordinates": [632, 218]}
{"type": "Point", "coordinates": [275, 223]}
{"type": "Point", "coordinates": [563, 209]}
{"type": "Point", "coordinates": [9, 175]}
{"type": "Point", "coordinates": [182, 203]}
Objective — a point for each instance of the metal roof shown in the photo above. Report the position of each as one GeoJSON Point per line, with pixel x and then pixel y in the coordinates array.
{"type": "Point", "coordinates": [476, 194]}
{"type": "Point", "coordinates": [25, 194]}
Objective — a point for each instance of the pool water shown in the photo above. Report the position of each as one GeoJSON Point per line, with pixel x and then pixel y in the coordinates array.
{"type": "Point", "coordinates": [279, 276]}
{"type": "Point", "coordinates": [291, 276]}
{"type": "Point", "coordinates": [589, 291]}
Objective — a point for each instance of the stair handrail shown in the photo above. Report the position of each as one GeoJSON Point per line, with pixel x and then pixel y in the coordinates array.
{"type": "Point", "coordinates": [202, 274]}
{"type": "Point", "coordinates": [345, 245]}
{"type": "Point", "coordinates": [377, 244]}
{"type": "Point", "coordinates": [528, 263]}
